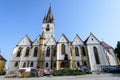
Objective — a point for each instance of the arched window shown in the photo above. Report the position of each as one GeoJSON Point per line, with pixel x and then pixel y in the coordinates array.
{"type": "Point", "coordinates": [48, 52]}
{"type": "Point", "coordinates": [47, 64]}
{"type": "Point", "coordinates": [47, 28]}
{"type": "Point", "coordinates": [62, 64]}
{"type": "Point", "coordinates": [78, 64]}
{"type": "Point", "coordinates": [16, 64]}
{"type": "Point", "coordinates": [35, 52]}
{"type": "Point", "coordinates": [24, 64]}
{"type": "Point", "coordinates": [85, 64]}
{"type": "Point", "coordinates": [54, 64]}
{"type": "Point", "coordinates": [19, 52]}
{"type": "Point", "coordinates": [27, 52]}
{"type": "Point", "coordinates": [28, 63]}
{"type": "Point", "coordinates": [31, 65]}
{"type": "Point", "coordinates": [63, 49]}
{"type": "Point", "coordinates": [76, 51]}
{"type": "Point", "coordinates": [96, 55]}
{"type": "Point", "coordinates": [83, 51]}
{"type": "Point", "coordinates": [54, 53]}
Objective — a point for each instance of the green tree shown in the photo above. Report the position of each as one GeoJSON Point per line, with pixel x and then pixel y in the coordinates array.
{"type": "Point", "coordinates": [117, 50]}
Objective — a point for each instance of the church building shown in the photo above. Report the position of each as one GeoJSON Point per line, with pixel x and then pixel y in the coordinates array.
{"type": "Point", "coordinates": [48, 53]}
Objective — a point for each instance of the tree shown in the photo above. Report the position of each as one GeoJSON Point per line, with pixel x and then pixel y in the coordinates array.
{"type": "Point", "coordinates": [117, 50]}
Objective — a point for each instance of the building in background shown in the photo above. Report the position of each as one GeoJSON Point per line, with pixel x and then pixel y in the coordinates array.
{"type": "Point", "coordinates": [45, 52]}
{"type": "Point", "coordinates": [2, 63]}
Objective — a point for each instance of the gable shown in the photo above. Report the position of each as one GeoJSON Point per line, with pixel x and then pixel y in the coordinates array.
{"type": "Point", "coordinates": [63, 39]}
{"type": "Point", "coordinates": [37, 41]}
{"type": "Point", "coordinates": [51, 41]}
{"type": "Point", "coordinates": [77, 41]}
{"type": "Point", "coordinates": [25, 41]}
{"type": "Point", "coordinates": [92, 40]}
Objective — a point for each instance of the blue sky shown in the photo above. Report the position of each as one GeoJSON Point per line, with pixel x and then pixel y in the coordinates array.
{"type": "Point", "coordinates": [21, 17]}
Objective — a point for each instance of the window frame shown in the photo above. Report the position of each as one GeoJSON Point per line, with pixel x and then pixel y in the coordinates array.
{"type": "Point", "coordinates": [19, 52]}
{"type": "Point", "coordinates": [48, 52]}
{"type": "Point", "coordinates": [35, 52]}
{"type": "Point", "coordinates": [77, 51]}
{"type": "Point", "coordinates": [63, 49]}
{"type": "Point", "coordinates": [96, 54]}
{"type": "Point", "coordinates": [27, 52]}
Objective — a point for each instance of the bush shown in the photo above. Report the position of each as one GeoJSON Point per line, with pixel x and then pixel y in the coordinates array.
{"type": "Point", "coordinates": [68, 72]}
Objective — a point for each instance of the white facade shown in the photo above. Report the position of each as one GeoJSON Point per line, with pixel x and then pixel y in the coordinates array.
{"type": "Point", "coordinates": [48, 53]}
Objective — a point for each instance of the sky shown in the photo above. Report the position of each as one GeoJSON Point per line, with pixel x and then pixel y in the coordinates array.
{"type": "Point", "coordinates": [21, 17]}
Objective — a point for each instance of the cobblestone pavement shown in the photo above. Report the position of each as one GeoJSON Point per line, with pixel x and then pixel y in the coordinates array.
{"type": "Point", "coordinates": [81, 77]}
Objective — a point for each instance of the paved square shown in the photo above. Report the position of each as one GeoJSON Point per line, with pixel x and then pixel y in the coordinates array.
{"type": "Point", "coordinates": [81, 77]}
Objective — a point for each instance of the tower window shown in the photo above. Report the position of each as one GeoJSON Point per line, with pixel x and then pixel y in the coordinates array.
{"type": "Point", "coordinates": [47, 28]}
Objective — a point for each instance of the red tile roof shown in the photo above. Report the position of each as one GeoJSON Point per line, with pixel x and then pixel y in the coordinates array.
{"type": "Point", "coordinates": [105, 45]}
{"type": "Point", "coordinates": [2, 58]}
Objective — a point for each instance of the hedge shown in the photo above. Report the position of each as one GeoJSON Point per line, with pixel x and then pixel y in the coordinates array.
{"type": "Point", "coordinates": [68, 72]}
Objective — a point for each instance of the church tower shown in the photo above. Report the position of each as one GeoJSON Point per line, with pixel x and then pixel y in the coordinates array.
{"type": "Point", "coordinates": [48, 25]}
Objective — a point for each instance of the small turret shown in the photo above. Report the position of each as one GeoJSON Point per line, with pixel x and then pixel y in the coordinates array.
{"type": "Point", "coordinates": [42, 36]}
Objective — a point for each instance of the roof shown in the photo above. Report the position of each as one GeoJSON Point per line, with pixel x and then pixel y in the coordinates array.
{"type": "Point", "coordinates": [49, 18]}
{"type": "Point", "coordinates": [64, 37]}
{"type": "Point", "coordinates": [50, 38]}
{"type": "Point", "coordinates": [2, 58]}
{"type": "Point", "coordinates": [78, 37]}
{"type": "Point", "coordinates": [105, 45]}
{"type": "Point", "coordinates": [89, 37]}
{"type": "Point", "coordinates": [26, 36]}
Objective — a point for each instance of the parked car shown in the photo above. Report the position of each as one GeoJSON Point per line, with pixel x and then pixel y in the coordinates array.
{"type": "Point", "coordinates": [11, 75]}
{"type": "Point", "coordinates": [110, 69]}
{"type": "Point", "coordinates": [85, 69]}
{"type": "Point", "coordinates": [44, 72]}
{"type": "Point", "coordinates": [27, 72]}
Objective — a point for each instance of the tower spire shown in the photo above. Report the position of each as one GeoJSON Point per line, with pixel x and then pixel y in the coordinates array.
{"type": "Point", "coordinates": [49, 18]}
